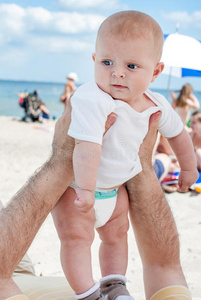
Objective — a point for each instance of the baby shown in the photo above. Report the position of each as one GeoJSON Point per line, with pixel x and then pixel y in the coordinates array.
{"type": "Point", "coordinates": [127, 59]}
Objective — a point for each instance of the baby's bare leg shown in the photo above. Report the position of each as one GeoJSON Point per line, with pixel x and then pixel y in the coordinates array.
{"type": "Point", "coordinates": [114, 249]}
{"type": "Point", "coordinates": [76, 233]}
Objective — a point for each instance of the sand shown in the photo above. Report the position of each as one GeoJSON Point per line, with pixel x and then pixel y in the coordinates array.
{"type": "Point", "coordinates": [24, 147]}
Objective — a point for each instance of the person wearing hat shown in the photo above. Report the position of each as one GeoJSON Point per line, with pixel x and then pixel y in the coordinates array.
{"type": "Point", "coordinates": [70, 87]}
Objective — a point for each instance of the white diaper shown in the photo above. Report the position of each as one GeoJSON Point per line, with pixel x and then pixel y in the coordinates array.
{"type": "Point", "coordinates": [105, 202]}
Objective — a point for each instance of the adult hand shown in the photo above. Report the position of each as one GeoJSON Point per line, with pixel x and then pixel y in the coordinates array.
{"type": "Point", "coordinates": [136, 185]}
{"type": "Point", "coordinates": [110, 121]}
{"type": "Point", "coordinates": [146, 148]}
{"type": "Point", "coordinates": [63, 144]}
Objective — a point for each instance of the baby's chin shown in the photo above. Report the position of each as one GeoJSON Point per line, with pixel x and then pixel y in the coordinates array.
{"type": "Point", "coordinates": [102, 88]}
{"type": "Point", "coordinates": [115, 95]}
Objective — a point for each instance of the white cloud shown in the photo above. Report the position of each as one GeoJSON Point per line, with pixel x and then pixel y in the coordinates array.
{"type": "Point", "coordinates": [76, 23]}
{"type": "Point", "coordinates": [184, 18]}
{"type": "Point", "coordinates": [197, 16]}
{"type": "Point", "coordinates": [58, 45]}
{"type": "Point", "coordinates": [89, 4]}
{"type": "Point", "coordinates": [11, 21]}
{"type": "Point", "coordinates": [19, 24]}
{"type": "Point", "coordinates": [37, 18]}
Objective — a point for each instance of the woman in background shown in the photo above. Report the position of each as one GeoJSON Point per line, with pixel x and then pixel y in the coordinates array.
{"type": "Point", "coordinates": [185, 102]}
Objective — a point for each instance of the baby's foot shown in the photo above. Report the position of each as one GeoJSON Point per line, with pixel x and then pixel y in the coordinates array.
{"type": "Point", "coordinates": [92, 294]}
{"type": "Point", "coordinates": [113, 287]}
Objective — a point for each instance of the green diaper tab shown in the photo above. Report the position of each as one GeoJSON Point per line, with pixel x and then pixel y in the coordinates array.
{"type": "Point", "coordinates": [106, 194]}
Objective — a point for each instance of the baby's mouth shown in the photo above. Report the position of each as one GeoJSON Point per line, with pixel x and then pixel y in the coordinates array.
{"type": "Point", "coordinates": [119, 87]}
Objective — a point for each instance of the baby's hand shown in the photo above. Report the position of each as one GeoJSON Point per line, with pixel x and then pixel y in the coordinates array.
{"type": "Point", "coordinates": [186, 179]}
{"type": "Point", "coordinates": [85, 200]}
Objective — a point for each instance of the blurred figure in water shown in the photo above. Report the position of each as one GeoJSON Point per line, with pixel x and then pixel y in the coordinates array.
{"type": "Point", "coordinates": [70, 87]}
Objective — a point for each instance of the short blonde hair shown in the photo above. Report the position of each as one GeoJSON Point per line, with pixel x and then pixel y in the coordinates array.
{"type": "Point", "coordinates": [131, 25]}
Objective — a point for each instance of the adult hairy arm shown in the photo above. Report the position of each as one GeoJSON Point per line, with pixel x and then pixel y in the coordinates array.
{"type": "Point", "coordinates": [21, 219]}
{"type": "Point", "coordinates": [153, 223]}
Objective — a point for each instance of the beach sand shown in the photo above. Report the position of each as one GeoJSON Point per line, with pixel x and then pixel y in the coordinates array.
{"type": "Point", "coordinates": [24, 147]}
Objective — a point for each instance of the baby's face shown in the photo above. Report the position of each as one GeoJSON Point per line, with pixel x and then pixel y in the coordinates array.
{"type": "Point", "coordinates": [124, 68]}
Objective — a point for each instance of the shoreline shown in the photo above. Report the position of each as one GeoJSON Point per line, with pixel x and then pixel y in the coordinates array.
{"type": "Point", "coordinates": [26, 146]}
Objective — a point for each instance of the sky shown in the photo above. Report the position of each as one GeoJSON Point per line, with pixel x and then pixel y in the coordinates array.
{"type": "Point", "coordinates": [45, 40]}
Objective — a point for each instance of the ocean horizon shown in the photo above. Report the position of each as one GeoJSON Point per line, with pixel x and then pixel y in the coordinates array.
{"type": "Point", "coordinates": [49, 93]}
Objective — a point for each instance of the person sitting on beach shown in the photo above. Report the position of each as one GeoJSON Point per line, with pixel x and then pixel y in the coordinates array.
{"type": "Point", "coordinates": [70, 87]}
{"type": "Point", "coordinates": [161, 165]}
{"type": "Point", "coordinates": [151, 217]}
{"type": "Point", "coordinates": [166, 151]}
{"type": "Point", "coordinates": [45, 111]}
{"type": "Point", "coordinates": [34, 108]}
{"type": "Point", "coordinates": [127, 59]}
{"type": "Point", "coordinates": [160, 161]}
{"type": "Point", "coordinates": [185, 102]}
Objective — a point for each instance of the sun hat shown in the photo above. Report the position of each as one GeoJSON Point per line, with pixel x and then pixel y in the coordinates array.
{"type": "Point", "coordinates": [73, 76]}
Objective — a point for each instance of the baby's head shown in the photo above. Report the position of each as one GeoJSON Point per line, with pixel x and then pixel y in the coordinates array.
{"type": "Point", "coordinates": [128, 38]}
{"type": "Point", "coordinates": [134, 25]}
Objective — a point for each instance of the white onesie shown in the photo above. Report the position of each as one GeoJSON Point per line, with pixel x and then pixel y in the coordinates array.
{"type": "Point", "coordinates": [120, 145]}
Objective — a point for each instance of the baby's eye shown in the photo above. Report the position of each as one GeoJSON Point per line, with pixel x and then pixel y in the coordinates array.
{"type": "Point", "coordinates": [132, 66]}
{"type": "Point", "coordinates": [107, 63]}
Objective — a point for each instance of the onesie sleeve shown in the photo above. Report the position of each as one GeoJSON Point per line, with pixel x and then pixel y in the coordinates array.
{"type": "Point", "coordinates": [90, 108]}
{"type": "Point", "coordinates": [170, 124]}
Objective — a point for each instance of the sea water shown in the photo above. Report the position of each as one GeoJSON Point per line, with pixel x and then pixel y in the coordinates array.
{"type": "Point", "coordinates": [49, 93]}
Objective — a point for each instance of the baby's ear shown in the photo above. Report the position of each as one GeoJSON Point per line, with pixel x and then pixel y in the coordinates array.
{"type": "Point", "coordinates": [158, 69]}
{"type": "Point", "coordinates": [94, 56]}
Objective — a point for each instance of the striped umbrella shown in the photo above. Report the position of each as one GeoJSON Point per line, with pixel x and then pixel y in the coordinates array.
{"type": "Point", "coordinates": [181, 55]}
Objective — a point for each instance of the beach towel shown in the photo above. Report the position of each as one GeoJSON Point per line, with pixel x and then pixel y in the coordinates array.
{"type": "Point", "coordinates": [172, 178]}
{"type": "Point", "coordinates": [39, 287]}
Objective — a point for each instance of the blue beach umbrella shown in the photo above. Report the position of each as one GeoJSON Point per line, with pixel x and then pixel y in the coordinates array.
{"type": "Point", "coordinates": [181, 56]}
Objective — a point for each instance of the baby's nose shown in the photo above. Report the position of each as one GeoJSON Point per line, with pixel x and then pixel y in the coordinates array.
{"type": "Point", "coordinates": [118, 73]}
